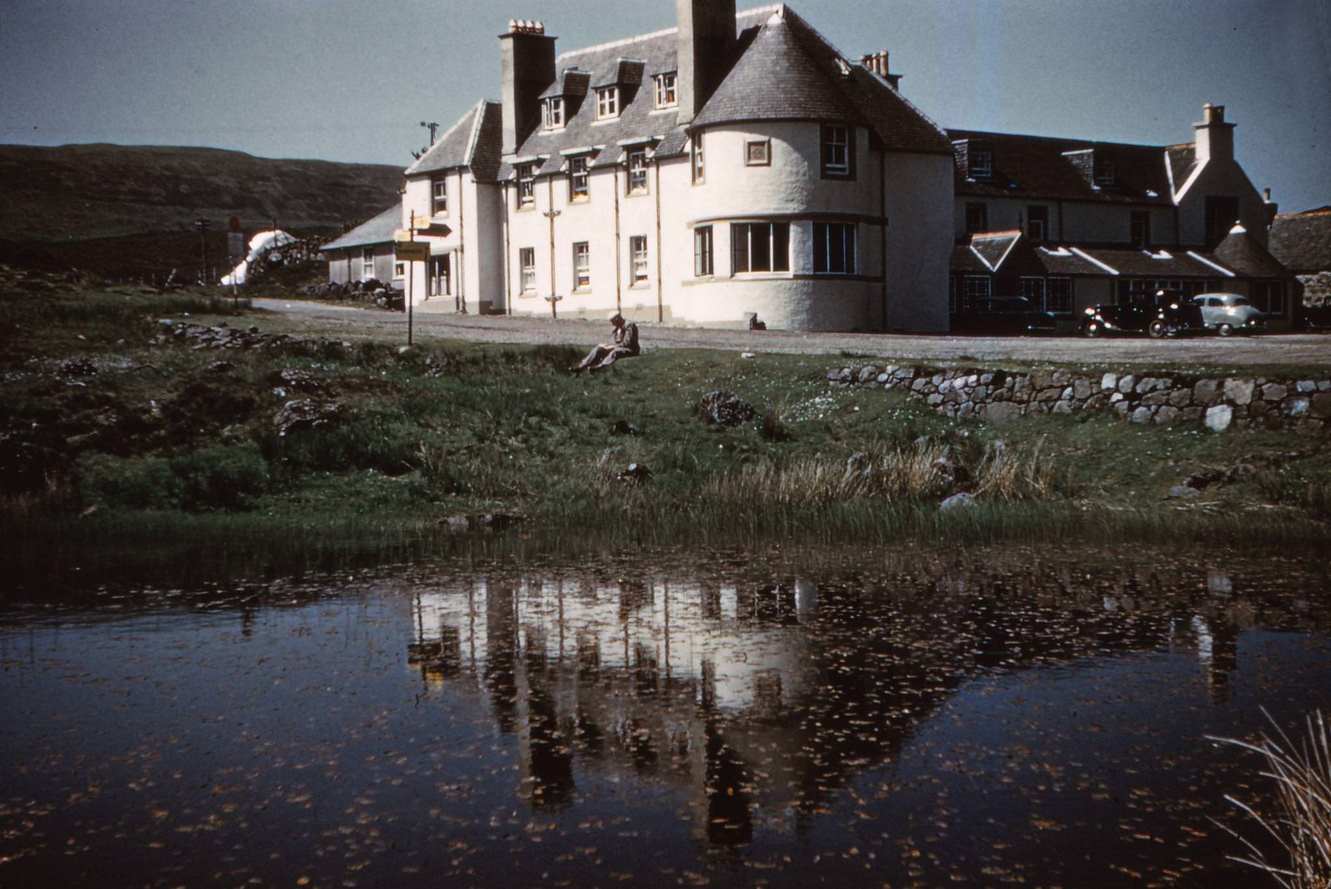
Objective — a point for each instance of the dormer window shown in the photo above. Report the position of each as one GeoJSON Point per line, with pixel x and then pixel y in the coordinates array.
{"type": "Point", "coordinates": [553, 113]}
{"type": "Point", "coordinates": [607, 103]}
{"type": "Point", "coordinates": [1104, 170]}
{"type": "Point", "coordinates": [981, 162]}
{"type": "Point", "coordinates": [667, 94]}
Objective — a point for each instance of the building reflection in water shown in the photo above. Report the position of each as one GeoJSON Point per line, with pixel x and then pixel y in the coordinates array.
{"type": "Point", "coordinates": [762, 699]}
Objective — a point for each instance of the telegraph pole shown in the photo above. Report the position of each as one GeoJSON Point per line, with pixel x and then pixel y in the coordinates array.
{"type": "Point", "coordinates": [202, 226]}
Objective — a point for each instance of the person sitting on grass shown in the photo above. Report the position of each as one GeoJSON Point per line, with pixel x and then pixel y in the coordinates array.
{"type": "Point", "coordinates": [623, 344]}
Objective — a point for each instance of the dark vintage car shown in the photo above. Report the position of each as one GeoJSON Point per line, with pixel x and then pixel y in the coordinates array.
{"type": "Point", "coordinates": [1005, 315]}
{"type": "Point", "coordinates": [1168, 315]}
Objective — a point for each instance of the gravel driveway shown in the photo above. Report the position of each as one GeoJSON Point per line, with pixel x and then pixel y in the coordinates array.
{"type": "Point", "coordinates": [1273, 349]}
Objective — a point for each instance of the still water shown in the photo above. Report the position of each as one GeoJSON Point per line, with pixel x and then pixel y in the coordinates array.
{"type": "Point", "coordinates": [930, 720]}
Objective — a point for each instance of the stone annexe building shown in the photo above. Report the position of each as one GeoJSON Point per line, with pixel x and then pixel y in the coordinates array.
{"type": "Point", "coordinates": [666, 176]}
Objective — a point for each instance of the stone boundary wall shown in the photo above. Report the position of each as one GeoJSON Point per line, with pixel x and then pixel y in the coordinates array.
{"type": "Point", "coordinates": [1215, 403]}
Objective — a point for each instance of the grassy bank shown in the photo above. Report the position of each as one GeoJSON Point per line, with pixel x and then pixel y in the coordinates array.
{"type": "Point", "coordinates": [121, 434]}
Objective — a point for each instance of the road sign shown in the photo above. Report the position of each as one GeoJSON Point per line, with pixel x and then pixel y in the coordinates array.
{"type": "Point", "coordinates": [408, 251]}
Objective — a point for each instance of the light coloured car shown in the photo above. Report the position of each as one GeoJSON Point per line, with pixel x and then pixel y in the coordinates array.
{"type": "Point", "coordinates": [1228, 313]}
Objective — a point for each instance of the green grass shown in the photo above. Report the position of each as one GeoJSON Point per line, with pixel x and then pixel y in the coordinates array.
{"type": "Point", "coordinates": [163, 444]}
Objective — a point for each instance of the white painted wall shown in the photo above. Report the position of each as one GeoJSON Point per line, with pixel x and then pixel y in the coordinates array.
{"type": "Point", "coordinates": [919, 248]}
{"type": "Point", "coordinates": [1223, 178]}
{"type": "Point", "coordinates": [475, 217]}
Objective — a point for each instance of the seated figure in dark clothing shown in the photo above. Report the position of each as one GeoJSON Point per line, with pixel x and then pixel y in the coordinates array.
{"type": "Point", "coordinates": [623, 344]}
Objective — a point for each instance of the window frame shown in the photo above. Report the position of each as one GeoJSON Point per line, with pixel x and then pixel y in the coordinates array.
{"type": "Point", "coordinates": [639, 275]}
{"type": "Point", "coordinates": [399, 269]}
{"type": "Point", "coordinates": [844, 169]}
{"type": "Point", "coordinates": [640, 171]}
{"type": "Point", "coordinates": [1032, 221]}
{"type": "Point", "coordinates": [765, 160]}
{"type": "Point", "coordinates": [582, 266]}
{"type": "Point", "coordinates": [579, 167]}
{"type": "Point", "coordinates": [975, 169]}
{"type": "Point", "coordinates": [698, 159]}
{"type": "Point", "coordinates": [970, 295]}
{"type": "Point", "coordinates": [1135, 217]}
{"type": "Point", "coordinates": [748, 241]}
{"type": "Point", "coordinates": [823, 237]}
{"type": "Point", "coordinates": [438, 201]}
{"type": "Point", "coordinates": [552, 113]}
{"type": "Point", "coordinates": [367, 262]}
{"type": "Point", "coordinates": [704, 256]}
{"type": "Point", "coordinates": [667, 89]}
{"type": "Point", "coordinates": [527, 270]}
{"type": "Point", "coordinates": [607, 102]}
{"type": "Point", "coordinates": [1070, 298]}
{"type": "Point", "coordinates": [526, 190]}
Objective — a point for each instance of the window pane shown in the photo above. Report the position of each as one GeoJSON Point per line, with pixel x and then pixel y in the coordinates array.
{"type": "Point", "coordinates": [851, 267]}
{"type": "Point", "coordinates": [739, 239]}
{"type": "Point", "coordinates": [781, 247]}
{"type": "Point", "coordinates": [760, 247]}
{"type": "Point", "coordinates": [821, 234]}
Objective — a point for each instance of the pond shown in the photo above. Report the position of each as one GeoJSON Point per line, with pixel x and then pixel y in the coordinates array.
{"type": "Point", "coordinates": [912, 718]}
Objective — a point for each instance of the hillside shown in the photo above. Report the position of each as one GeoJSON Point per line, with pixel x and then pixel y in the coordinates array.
{"type": "Point", "coordinates": [124, 210]}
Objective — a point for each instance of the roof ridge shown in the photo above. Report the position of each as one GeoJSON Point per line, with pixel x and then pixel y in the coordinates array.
{"type": "Point", "coordinates": [652, 35]}
{"type": "Point", "coordinates": [950, 131]}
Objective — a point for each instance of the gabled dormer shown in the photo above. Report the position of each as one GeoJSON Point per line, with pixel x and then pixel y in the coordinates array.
{"type": "Point", "coordinates": [975, 159]}
{"type": "Point", "coordinates": [1096, 165]}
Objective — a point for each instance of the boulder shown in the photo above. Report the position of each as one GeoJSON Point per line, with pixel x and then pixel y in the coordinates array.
{"type": "Point", "coordinates": [721, 408]}
{"type": "Point", "coordinates": [305, 413]}
{"type": "Point", "coordinates": [1218, 417]}
{"type": "Point", "coordinates": [1239, 391]}
{"type": "Point", "coordinates": [957, 501]}
{"type": "Point", "coordinates": [1205, 392]}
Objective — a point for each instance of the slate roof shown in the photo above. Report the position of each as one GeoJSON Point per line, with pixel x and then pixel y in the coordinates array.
{"type": "Point", "coordinates": [378, 230]}
{"type": "Point", "coordinates": [1013, 253]}
{"type": "Point", "coordinates": [1036, 168]}
{"type": "Point", "coordinates": [1241, 252]}
{"type": "Point", "coordinates": [1182, 161]}
{"type": "Point", "coordinates": [788, 71]}
{"type": "Point", "coordinates": [783, 70]}
{"type": "Point", "coordinates": [1302, 241]}
{"type": "Point", "coordinates": [475, 142]}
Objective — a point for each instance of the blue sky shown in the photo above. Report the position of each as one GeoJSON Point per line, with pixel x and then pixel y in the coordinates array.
{"type": "Point", "coordinates": [350, 80]}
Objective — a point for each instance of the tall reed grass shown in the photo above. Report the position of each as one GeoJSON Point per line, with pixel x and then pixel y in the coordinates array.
{"type": "Point", "coordinates": [1300, 825]}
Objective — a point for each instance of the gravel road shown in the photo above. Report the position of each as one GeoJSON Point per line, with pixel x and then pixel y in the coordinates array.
{"type": "Point", "coordinates": [1293, 348]}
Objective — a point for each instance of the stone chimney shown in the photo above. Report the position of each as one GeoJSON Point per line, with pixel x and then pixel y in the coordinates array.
{"type": "Point", "coordinates": [878, 64]}
{"type": "Point", "coordinates": [527, 59]}
{"type": "Point", "coordinates": [706, 46]}
{"type": "Point", "coordinates": [1215, 138]}
{"type": "Point", "coordinates": [1271, 207]}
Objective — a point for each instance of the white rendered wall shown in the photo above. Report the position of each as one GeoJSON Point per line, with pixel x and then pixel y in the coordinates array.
{"type": "Point", "coordinates": [1069, 221]}
{"type": "Point", "coordinates": [1221, 178]}
{"type": "Point", "coordinates": [475, 244]}
{"type": "Point", "coordinates": [919, 243]}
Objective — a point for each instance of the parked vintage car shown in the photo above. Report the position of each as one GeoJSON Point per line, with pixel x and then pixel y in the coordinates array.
{"type": "Point", "coordinates": [1229, 313]}
{"type": "Point", "coordinates": [1005, 315]}
{"type": "Point", "coordinates": [1168, 315]}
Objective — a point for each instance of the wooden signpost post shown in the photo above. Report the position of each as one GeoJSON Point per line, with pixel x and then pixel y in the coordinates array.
{"type": "Point", "coordinates": [407, 249]}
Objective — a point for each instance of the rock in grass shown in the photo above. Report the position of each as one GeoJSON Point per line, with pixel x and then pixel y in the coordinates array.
{"type": "Point", "coordinates": [305, 413]}
{"type": "Point", "coordinates": [1183, 492]}
{"type": "Point", "coordinates": [1218, 417]}
{"type": "Point", "coordinates": [721, 408]}
{"type": "Point", "coordinates": [957, 501]}
{"type": "Point", "coordinates": [636, 473]}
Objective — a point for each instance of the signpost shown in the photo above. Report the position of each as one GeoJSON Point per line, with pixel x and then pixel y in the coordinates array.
{"type": "Point", "coordinates": [407, 249]}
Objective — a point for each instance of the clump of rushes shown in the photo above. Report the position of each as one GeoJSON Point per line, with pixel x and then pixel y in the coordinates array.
{"type": "Point", "coordinates": [1301, 823]}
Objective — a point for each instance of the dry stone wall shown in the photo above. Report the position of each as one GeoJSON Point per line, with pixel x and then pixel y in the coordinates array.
{"type": "Point", "coordinates": [1215, 403]}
